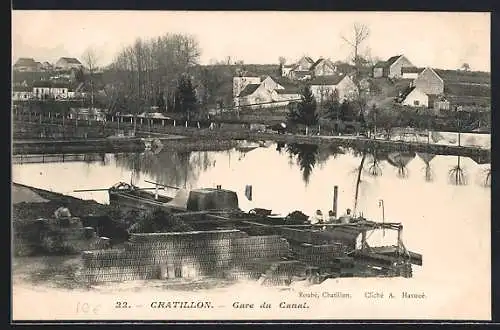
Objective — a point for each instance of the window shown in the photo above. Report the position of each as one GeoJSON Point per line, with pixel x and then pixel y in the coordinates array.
{"type": "Point", "coordinates": [416, 103]}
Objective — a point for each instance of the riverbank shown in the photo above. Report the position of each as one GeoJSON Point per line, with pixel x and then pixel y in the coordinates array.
{"type": "Point", "coordinates": [188, 137]}
{"type": "Point", "coordinates": [29, 204]}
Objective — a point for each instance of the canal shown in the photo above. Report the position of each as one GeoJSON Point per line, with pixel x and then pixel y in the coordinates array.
{"type": "Point", "coordinates": [442, 201]}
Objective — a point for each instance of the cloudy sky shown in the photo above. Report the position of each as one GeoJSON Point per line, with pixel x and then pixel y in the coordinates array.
{"type": "Point", "coordinates": [442, 40]}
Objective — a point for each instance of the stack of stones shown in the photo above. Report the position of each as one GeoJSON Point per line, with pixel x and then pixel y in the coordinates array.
{"type": "Point", "coordinates": [65, 235]}
{"type": "Point", "coordinates": [179, 255]}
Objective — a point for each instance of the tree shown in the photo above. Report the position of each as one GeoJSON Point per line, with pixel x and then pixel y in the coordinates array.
{"type": "Point", "coordinates": [304, 112]}
{"type": "Point", "coordinates": [360, 34]}
{"type": "Point", "coordinates": [333, 107]}
{"type": "Point", "coordinates": [346, 111]}
{"type": "Point", "coordinates": [186, 101]}
{"type": "Point", "coordinates": [282, 60]}
{"type": "Point", "coordinates": [90, 58]}
{"type": "Point", "coordinates": [465, 67]}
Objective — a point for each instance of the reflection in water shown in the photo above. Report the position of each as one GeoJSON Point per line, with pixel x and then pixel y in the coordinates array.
{"type": "Point", "coordinates": [427, 158]}
{"type": "Point", "coordinates": [487, 179]}
{"type": "Point", "coordinates": [167, 167]}
{"type": "Point", "coordinates": [306, 158]}
{"type": "Point", "coordinates": [457, 174]}
{"type": "Point", "coordinates": [400, 160]}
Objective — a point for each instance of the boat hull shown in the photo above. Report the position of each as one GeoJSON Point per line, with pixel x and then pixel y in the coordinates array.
{"type": "Point", "coordinates": [133, 200]}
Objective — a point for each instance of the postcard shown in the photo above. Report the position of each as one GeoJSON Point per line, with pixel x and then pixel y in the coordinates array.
{"type": "Point", "coordinates": [180, 166]}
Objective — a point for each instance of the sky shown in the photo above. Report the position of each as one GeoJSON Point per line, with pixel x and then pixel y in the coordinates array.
{"type": "Point", "coordinates": [438, 39]}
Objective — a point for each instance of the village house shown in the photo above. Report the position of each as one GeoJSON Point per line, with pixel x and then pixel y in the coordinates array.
{"type": "Point", "coordinates": [439, 102]}
{"type": "Point", "coordinates": [268, 93]}
{"type": "Point", "coordinates": [46, 89]}
{"type": "Point", "coordinates": [46, 66]}
{"type": "Point", "coordinates": [414, 97]}
{"type": "Point", "coordinates": [429, 82]}
{"type": "Point", "coordinates": [324, 87]}
{"type": "Point", "coordinates": [21, 93]}
{"type": "Point", "coordinates": [323, 67]}
{"type": "Point", "coordinates": [25, 64]}
{"type": "Point", "coordinates": [67, 63]}
{"type": "Point", "coordinates": [240, 83]}
{"type": "Point", "coordinates": [392, 68]}
{"type": "Point", "coordinates": [410, 72]}
{"type": "Point", "coordinates": [299, 70]}
{"type": "Point", "coordinates": [306, 69]}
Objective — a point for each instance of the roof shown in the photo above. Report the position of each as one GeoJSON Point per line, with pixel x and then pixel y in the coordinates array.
{"type": "Point", "coordinates": [411, 69]}
{"type": "Point", "coordinates": [21, 89]}
{"type": "Point", "coordinates": [42, 83]}
{"type": "Point", "coordinates": [388, 63]}
{"type": "Point", "coordinates": [392, 60]}
{"type": "Point", "coordinates": [289, 90]}
{"type": "Point", "coordinates": [308, 59]}
{"type": "Point", "coordinates": [50, 84]}
{"type": "Point", "coordinates": [285, 82]}
{"type": "Point", "coordinates": [327, 80]}
{"type": "Point", "coordinates": [248, 90]}
{"type": "Point", "coordinates": [406, 92]}
{"type": "Point", "coordinates": [70, 60]}
{"type": "Point", "coordinates": [24, 61]}
{"type": "Point", "coordinates": [328, 62]}
{"type": "Point", "coordinates": [345, 68]}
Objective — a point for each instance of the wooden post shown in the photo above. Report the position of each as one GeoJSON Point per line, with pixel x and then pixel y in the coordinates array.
{"type": "Point", "coordinates": [174, 122]}
{"type": "Point", "coordinates": [400, 237]}
{"type": "Point", "coordinates": [363, 240]}
{"type": "Point", "coordinates": [163, 122]}
{"type": "Point", "coordinates": [335, 198]}
{"type": "Point", "coordinates": [156, 191]}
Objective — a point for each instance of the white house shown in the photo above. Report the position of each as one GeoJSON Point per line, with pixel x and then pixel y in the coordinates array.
{"type": "Point", "coordinates": [410, 72]}
{"type": "Point", "coordinates": [414, 97]}
{"type": "Point", "coordinates": [66, 63]}
{"type": "Point", "coordinates": [239, 84]}
{"type": "Point", "coordinates": [47, 89]}
{"type": "Point", "coordinates": [324, 87]}
{"type": "Point", "coordinates": [283, 97]}
{"type": "Point", "coordinates": [392, 68]}
{"type": "Point", "coordinates": [21, 93]}
{"type": "Point", "coordinates": [267, 94]}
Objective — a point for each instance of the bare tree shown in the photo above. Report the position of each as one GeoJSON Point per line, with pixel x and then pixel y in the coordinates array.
{"type": "Point", "coordinates": [282, 60]}
{"type": "Point", "coordinates": [90, 58]}
{"type": "Point", "coordinates": [360, 33]}
{"type": "Point", "coordinates": [465, 67]}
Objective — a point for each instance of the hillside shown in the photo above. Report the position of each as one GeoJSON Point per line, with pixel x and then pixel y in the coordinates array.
{"type": "Point", "coordinates": [467, 89]}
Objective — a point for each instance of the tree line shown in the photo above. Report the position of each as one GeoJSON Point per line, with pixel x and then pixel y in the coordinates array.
{"type": "Point", "coordinates": [155, 72]}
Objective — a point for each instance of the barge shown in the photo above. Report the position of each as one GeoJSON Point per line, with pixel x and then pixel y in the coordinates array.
{"type": "Point", "coordinates": [314, 252]}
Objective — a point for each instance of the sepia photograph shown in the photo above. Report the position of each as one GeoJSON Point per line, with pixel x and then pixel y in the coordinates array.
{"type": "Point", "coordinates": [250, 165]}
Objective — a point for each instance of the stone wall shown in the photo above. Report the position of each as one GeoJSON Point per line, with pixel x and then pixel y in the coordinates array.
{"type": "Point", "coordinates": [48, 236]}
{"type": "Point", "coordinates": [222, 253]}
